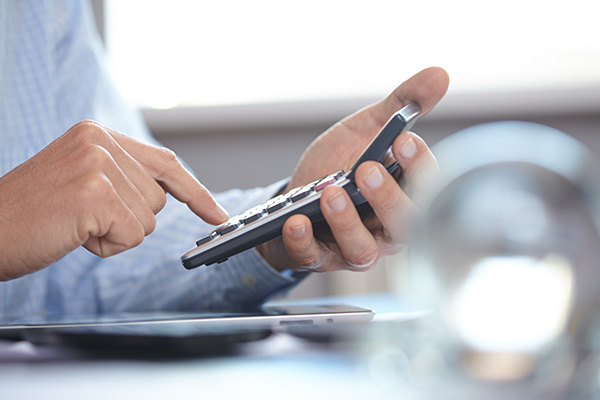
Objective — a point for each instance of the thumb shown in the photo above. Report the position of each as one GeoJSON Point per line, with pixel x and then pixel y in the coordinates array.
{"type": "Point", "coordinates": [426, 88]}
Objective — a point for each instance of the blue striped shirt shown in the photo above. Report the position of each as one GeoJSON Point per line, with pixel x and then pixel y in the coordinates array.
{"type": "Point", "coordinates": [52, 75]}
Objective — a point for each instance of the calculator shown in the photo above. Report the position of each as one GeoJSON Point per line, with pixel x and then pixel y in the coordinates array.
{"type": "Point", "coordinates": [264, 222]}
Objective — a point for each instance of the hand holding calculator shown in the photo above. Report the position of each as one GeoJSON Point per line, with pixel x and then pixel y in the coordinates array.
{"type": "Point", "coordinates": [264, 222]}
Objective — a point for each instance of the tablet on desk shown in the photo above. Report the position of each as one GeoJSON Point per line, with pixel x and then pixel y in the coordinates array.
{"type": "Point", "coordinates": [174, 333]}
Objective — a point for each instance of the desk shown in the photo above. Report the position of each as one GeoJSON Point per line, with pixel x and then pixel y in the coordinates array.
{"type": "Point", "coordinates": [281, 366]}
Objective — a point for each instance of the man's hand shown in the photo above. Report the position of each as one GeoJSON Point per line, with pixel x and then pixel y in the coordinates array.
{"type": "Point", "coordinates": [352, 243]}
{"type": "Point", "coordinates": [93, 187]}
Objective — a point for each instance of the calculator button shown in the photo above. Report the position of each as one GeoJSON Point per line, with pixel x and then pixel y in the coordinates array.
{"type": "Point", "coordinates": [204, 240]}
{"type": "Point", "coordinates": [252, 217]}
{"type": "Point", "coordinates": [323, 183]}
{"type": "Point", "coordinates": [227, 227]}
{"type": "Point", "coordinates": [301, 194]}
{"type": "Point", "coordinates": [276, 206]}
{"type": "Point", "coordinates": [207, 238]}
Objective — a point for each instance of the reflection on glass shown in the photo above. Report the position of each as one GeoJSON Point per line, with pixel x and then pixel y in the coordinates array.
{"type": "Point", "coordinates": [484, 313]}
{"type": "Point", "coordinates": [507, 260]}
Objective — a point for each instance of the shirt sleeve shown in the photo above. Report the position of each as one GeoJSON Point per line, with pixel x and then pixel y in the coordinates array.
{"type": "Point", "coordinates": [53, 75]}
{"type": "Point", "coordinates": [152, 276]}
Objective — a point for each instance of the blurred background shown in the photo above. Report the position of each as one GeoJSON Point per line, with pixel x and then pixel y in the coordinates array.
{"type": "Point", "coordinates": [238, 89]}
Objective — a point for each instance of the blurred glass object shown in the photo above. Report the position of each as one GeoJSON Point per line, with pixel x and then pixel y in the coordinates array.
{"type": "Point", "coordinates": [507, 259]}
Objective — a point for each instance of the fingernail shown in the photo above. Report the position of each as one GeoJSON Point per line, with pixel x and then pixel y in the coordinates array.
{"type": "Point", "coordinates": [374, 177]}
{"type": "Point", "coordinates": [408, 149]}
{"type": "Point", "coordinates": [337, 202]}
{"type": "Point", "coordinates": [363, 266]}
{"type": "Point", "coordinates": [222, 212]}
{"type": "Point", "coordinates": [298, 230]}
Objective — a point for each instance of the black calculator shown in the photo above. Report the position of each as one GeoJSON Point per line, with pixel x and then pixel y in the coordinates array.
{"type": "Point", "coordinates": [264, 222]}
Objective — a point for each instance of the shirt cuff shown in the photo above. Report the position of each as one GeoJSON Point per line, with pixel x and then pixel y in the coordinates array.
{"type": "Point", "coordinates": [248, 281]}
{"type": "Point", "coordinates": [289, 273]}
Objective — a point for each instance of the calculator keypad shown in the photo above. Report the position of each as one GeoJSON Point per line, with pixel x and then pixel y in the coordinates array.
{"type": "Point", "coordinates": [271, 206]}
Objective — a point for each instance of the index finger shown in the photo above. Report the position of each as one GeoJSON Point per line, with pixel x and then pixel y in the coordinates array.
{"type": "Point", "coordinates": [165, 168]}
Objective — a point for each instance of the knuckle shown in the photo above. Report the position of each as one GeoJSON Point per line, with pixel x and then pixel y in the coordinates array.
{"type": "Point", "coordinates": [298, 246]}
{"type": "Point", "coordinates": [149, 226]}
{"type": "Point", "coordinates": [89, 131]}
{"type": "Point", "coordinates": [158, 202]}
{"type": "Point", "coordinates": [168, 158]}
{"type": "Point", "coordinates": [346, 227]}
{"type": "Point", "coordinates": [106, 250]}
{"type": "Point", "coordinates": [389, 203]}
{"type": "Point", "coordinates": [134, 237]}
{"type": "Point", "coordinates": [94, 185]}
{"type": "Point", "coordinates": [311, 262]}
{"type": "Point", "coordinates": [167, 155]}
{"type": "Point", "coordinates": [387, 199]}
{"type": "Point", "coordinates": [96, 156]}
{"type": "Point", "coordinates": [304, 254]}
